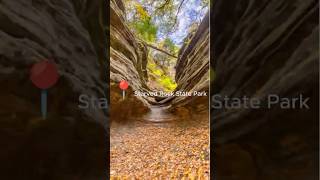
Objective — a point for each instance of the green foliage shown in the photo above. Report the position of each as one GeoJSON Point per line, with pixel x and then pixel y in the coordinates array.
{"type": "Point", "coordinates": [159, 18]}
{"type": "Point", "coordinates": [165, 16]}
{"type": "Point", "coordinates": [141, 22]}
{"type": "Point", "coordinates": [161, 78]}
{"type": "Point", "coordinates": [154, 22]}
{"type": "Point", "coordinates": [145, 29]}
{"type": "Point", "coordinates": [170, 46]}
{"type": "Point", "coordinates": [205, 3]}
{"type": "Point", "coordinates": [154, 70]}
{"type": "Point", "coordinates": [167, 83]}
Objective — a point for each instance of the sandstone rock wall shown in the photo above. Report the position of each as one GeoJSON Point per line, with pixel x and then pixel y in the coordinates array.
{"type": "Point", "coordinates": [262, 48]}
{"type": "Point", "coordinates": [192, 70]}
{"type": "Point", "coordinates": [70, 143]}
{"type": "Point", "coordinates": [32, 31]}
{"type": "Point", "coordinates": [128, 56]}
{"type": "Point", "coordinates": [128, 61]}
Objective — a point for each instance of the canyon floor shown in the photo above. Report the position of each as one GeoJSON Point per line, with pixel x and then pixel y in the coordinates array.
{"type": "Point", "coordinates": [169, 148]}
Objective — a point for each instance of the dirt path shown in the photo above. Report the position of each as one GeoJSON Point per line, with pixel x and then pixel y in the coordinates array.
{"type": "Point", "coordinates": [171, 149]}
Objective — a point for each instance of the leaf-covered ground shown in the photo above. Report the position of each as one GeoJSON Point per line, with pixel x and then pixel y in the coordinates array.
{"type": "Point", "coordinates": [175, 150]}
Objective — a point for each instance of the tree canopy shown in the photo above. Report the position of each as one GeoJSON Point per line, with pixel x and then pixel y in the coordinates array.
{"type": "Point", "coordinates": [164, 26]}
{"type": "Point", "coordinates": [155, 21]}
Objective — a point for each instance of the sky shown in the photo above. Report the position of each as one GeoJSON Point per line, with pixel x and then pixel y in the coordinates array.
{"type": "Point", "coordinates": [190, 11]}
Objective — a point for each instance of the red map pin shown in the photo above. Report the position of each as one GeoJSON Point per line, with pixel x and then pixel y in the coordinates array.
{"type": "Point", "coordinates": [124, 86]}
{"type": "Point", "coordinates": [44, 75]}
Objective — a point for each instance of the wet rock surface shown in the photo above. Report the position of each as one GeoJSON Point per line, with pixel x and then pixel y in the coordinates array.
{"type": "Point", "coordinates": [262, 48]}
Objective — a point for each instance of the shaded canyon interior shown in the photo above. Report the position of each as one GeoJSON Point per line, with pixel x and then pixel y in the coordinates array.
{"type": "Point", "coordinates": [259, 47]}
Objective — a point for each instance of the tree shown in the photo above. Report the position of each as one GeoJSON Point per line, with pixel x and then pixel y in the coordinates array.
{"type": "Point", "coordinates": [162, 58]}
{"type": "Point", "coordinates": [141, 21]}
{"type": "Point", "coordinates": [164, 13]}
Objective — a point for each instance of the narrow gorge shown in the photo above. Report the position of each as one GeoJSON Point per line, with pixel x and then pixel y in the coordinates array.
{"type": "Point", "coordinates": [257, 48]}
{"type": "Point", "coordinates": [151, 135]}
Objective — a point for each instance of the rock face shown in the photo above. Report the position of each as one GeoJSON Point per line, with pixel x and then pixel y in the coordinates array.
{"type": "Point", "coordinates": [263, 48]}
{"type": "Point", "coordinates": [192, 73]}
{"type": "Point", "coordinates": [70, 34]}
{"type": "Point", "coordinates": [192, 68]}
{"type": "Point", "coordinates": [128, 61]}
{"type": "Point", "coordinates": [128, 56]}
{"type": "Point", "coordinates": [35, 31]}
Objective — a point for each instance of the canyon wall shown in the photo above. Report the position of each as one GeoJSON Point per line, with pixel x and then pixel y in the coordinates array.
{"type": "Point", "coordinates": [128, 61]}
{"type": "Point", "coordinates": [34, 31]}
{"type": "Point", "coordinates": [192, 68]}
{"type": "Point", "coordinates": [70, 142]}
{"type": "Point", "coordinates": [192, 74]}
{"type": "Point", "coordinates": [263, 48]}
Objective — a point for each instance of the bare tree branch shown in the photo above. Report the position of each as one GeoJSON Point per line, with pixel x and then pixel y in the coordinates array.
{"type": "Point", "coordinates": [161, 50]}
{"type": "Point", "coordinates": [176, 18]}
{"type": "Point", "coordinates": [164, 4]}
